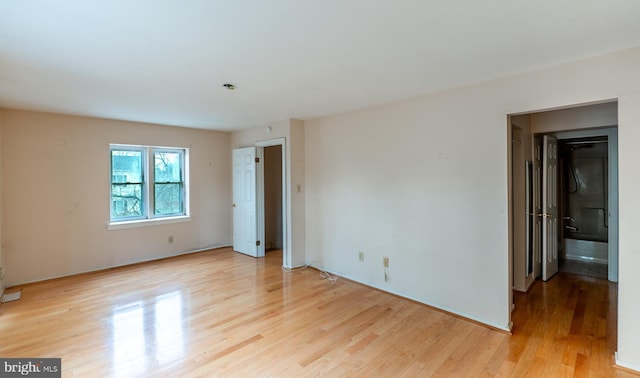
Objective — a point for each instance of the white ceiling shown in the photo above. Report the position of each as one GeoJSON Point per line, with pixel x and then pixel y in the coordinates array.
{"type": "Point", "coordinates": [164, 61]}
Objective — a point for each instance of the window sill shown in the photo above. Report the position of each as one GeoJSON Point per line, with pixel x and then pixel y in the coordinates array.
{"type": "Point", "coordinates": [147, 222]}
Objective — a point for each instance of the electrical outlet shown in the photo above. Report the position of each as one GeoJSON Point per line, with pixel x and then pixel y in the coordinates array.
{"type": "Point", "coordinates": [170, 239]}
{"type": "Point", "coordinates": [385, 262]}
{"type": "Point", "coordinates": [361, 256]}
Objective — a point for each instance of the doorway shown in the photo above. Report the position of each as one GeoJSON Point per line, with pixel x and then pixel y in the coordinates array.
{"type": "Point", "coordinates": [259, 199]}
{"type": "Point", "coordinates": [586, 138]}
{"type": "Point", "coordinates": [584, 188]}
{"type": "Point", "coordinates": [273, 199]}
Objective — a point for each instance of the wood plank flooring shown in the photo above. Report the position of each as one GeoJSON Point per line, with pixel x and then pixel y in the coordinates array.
{"type": "Point", "coordinates": [220, 313]}
{"type": "Point", "coordinates": [584, 268]}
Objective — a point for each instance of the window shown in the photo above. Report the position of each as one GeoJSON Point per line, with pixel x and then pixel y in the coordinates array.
{"type": "Point", "coordinates": [168, 182]}
{"type": "Point", "coordinates": [147, 183]}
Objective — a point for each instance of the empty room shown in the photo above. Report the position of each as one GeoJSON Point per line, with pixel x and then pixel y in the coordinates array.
{"type": "Point", "coordinates": [324, 188]}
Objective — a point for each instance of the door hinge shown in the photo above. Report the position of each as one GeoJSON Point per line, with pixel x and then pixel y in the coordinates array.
{"type": "Point", "coordinates": [257, 160]}
{"type": "Point", "coordinates": [257, 243]}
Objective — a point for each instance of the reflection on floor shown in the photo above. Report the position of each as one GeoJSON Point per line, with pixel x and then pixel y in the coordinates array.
{"type": "Point", "coordinates": [585, 268]}
{"type": "Point", "coordinates": [220, 313]}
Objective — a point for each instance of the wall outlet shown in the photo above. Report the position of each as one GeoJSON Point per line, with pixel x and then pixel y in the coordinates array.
{"type": "Point", "coordinates": [385, 262]}
{"type": "Point", "coordinates": [170, 239]}
{"type": "Point", "coordinates": [1, 274]}
{"type": "Point", "coordinates": [361, 256]}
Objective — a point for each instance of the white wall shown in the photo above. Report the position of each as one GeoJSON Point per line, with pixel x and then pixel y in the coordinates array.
{"type": "Point", "coordinates": [584, 117]}
{"type": "Point", "coordinates": [629, 207]}
{"type": "Point", "coordinates": [293, 132]}
{"type": "Point", "coordinates": [298, 193]}
{"type": "Point", "coordinates": [56, 195]}
{"type": "Point", "coordinates": [425, 182]}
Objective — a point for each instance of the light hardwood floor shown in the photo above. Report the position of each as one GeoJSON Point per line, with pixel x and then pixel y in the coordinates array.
{"type": "Point", "coordinates": [219, 313]}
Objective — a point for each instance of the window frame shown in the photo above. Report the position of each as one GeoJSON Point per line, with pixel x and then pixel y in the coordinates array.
{"type": "Point", "coordinates": [149, 215]}
{"type": "Point", "coordinates": [154, 182]}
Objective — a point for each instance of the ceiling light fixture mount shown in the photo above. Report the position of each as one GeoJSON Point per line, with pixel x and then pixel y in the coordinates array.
{"type": "Point", "coordinates": [229, 86]}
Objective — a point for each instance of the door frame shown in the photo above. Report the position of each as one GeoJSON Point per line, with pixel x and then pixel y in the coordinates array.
{"type": "Point", "coordinates": [286, 249]}
{"type": "Point", "coordinates": [612, 150]}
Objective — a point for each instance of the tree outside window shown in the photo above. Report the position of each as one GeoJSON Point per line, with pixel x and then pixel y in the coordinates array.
{"type": "Point", "coordinates": [132, 173]}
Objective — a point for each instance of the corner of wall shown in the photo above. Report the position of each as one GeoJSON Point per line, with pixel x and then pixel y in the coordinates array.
{"type": "Point", "coordinates": [2, 273]}
{"type": "Point", "coordinates": [298, 198]}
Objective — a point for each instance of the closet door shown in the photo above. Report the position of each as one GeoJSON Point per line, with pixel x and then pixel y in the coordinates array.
{"type": "Point", "coordinates": [549, 207]}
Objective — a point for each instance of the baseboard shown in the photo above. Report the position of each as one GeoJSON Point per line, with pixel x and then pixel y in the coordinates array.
{"type": "Point", "coordinates": [632, 368]}
{"type": "Point", "coordinates": [187, 252]}
{"type": "Point", "coordinates": [483, 322]}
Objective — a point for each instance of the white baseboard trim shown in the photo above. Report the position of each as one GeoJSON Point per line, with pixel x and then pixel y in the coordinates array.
{"type": "Point", "coordinates": [502, 327]}
{"type": "Point", "coordinates": [627, 365]}
{"type": "Point", "coordinates": [213, 246]}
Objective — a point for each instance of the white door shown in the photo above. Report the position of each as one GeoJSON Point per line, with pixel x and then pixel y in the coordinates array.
{"type": "Point", "coordinates": [245, 230]}
{"type": "Point", "coordinates": [537, 207]}
{"type": "Point", "coordinates": [549, 207]}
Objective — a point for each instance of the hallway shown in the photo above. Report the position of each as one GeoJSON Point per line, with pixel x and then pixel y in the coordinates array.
{"type": "Point", "coordinates": [566, 327]}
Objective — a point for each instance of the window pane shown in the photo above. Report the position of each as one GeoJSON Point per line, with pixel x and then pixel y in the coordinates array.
{"type": "Point", "coordinates": [168, 166]}
{"type": "Point", "coordinates": [126, 200]}
{"type": "Point", "coordinates": [132, 197]}
{"type": "Point", "coordinates": [126, 166]}
{"type": "Point", "coordinates": [168, 199]}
